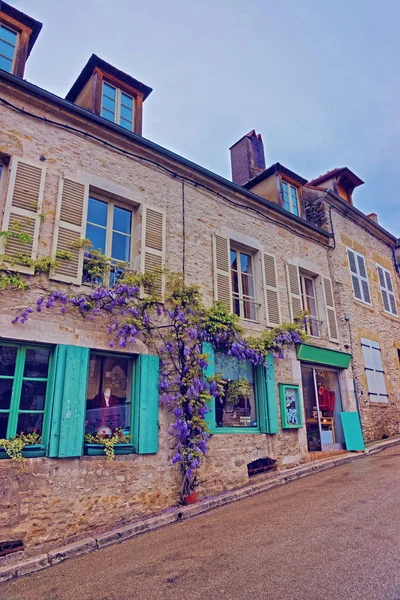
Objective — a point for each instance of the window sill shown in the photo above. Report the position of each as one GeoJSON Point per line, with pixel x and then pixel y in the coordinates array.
{"type": "Point", "coordinates": [364, 304]}
{"type": "Point", "coordinates": [98, 449]}
{"type": "Point", "coordinates": [35, 451]}
{"type": "Point", "coordinates": [233, 430]}
{"type": "Point", "coordinates": [390, 315]}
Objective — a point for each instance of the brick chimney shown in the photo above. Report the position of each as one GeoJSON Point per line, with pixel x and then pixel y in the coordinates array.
{"type": "Point", "coordinates": [247, 158]}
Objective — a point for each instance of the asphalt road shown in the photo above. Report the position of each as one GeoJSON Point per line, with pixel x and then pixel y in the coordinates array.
{"type": "Point", "coordinates": [334, 535]}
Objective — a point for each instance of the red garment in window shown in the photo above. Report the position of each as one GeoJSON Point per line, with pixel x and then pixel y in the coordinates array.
{"type": "Point", "coordinates": [326, 399]}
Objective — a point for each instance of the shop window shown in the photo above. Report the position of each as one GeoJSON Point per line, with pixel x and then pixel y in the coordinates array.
{"type": "Point", "coordinates": [109, 397]}
{"type": "Point", "coordinates": [236, 407]}
{"type": "Point", "coordinates": [24, 379]}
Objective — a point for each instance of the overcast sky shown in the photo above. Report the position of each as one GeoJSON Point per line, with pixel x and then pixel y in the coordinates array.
{"type": "Point", "coordinates": [318, 79]}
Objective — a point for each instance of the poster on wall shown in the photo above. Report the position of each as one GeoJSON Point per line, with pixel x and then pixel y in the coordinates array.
{"type": "Point", "coordinates": [290, 406]}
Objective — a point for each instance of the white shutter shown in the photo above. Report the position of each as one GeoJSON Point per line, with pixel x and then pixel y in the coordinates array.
{"type": "Point", "coordinates": [387, 292]}
{"type": "Point", "coordinates": [331, 321]}
{"type": "Point", "coordinates": [293, 280]}
{"type": "Point", "coordinates": [22, 212]}
{"type": "Point", "coordinates": [271, 290]}
{"type": "Point", "coordinates": [69, 228]}
{"type": "Point", "coordinates": [153, 246]}
{"type": "Point", "coordinates": [374, 370]}
{"type": "Point", "coordinates": [222, 275]}
{"type": "Point", "coordinates": [359, 276]}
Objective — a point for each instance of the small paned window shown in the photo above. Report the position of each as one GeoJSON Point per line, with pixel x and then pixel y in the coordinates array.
{"type": "Point", "coordinates": [116, 106]}
{"type": "Point", "coordinates": [374, 371]}
{"type": "Point", "coordinates": [109, 229]}
{"type": "Point", "coordinates": [290, 198]}
{"type": "Point", "coordinates": [309, 302]}
{"type": "Point", "coordinates": [359, 276]}
{"type": "Point", "coordinates": [387, 292]}
{"type": "Point", "coordinates": [8, 43]}
{"type": "Point", "coordinates": [242, 275]}
{"type": "Point", "coordinates": [236, 407]}
{"type": "Point", "coordinates": [24, 379]}
{"type": "Point", "coordinates": [109, 397]}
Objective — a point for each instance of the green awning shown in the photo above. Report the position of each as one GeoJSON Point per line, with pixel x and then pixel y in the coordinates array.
{"type": "Point", "coordinates": [323, 356]}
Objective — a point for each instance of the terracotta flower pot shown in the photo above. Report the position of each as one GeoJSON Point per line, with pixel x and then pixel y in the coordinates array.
{"type": "Point", "coordinates": [191, 499]}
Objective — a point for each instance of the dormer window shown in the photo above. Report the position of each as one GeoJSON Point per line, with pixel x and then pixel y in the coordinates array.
{"type": "Point", "coordinates": [290, 198]}
{"type": "Point", "coordinates": [116, 106]}
{"type": "Point", "coordinates": [8, 44]}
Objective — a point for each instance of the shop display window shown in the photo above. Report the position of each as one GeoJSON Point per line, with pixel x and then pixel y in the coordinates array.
{"type": "Point", "coordinates": [236, 407]}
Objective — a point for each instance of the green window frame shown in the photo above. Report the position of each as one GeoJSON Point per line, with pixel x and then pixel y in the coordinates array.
{"type": "Point", "coordinates": [292, 417]}
{"type": "Point", "coordinates": [18, 379]}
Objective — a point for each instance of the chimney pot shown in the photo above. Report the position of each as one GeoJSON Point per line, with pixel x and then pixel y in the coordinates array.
{"type": "Point", "coordinates": [373, 217]}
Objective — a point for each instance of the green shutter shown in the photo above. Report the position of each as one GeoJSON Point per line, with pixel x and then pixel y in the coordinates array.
{"type": "Point", "coordinates": [145, 437]}
{"type": "Point", "coordinates": [209, 372]}
{"type": "Point", "coordinates": [69, 401]}
{"type": "Point", "coordinates": [266, 396]}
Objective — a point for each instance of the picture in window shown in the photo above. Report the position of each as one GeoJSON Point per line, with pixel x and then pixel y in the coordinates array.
{"type": "Point", "coordinates": [236, 407]}
{"type": "Point", "coordinates": [109, 403]}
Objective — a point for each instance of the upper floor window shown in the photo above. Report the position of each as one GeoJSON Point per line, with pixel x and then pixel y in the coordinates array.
{"type": "Point", "coordinates": [109, 229]}
{"type": "Point", "coordinates": [359, 276]}
{"type": "Point", "coordinates": [290, 198]}
{"type": "Point", "coordinates": [385, 282]}
{"type": "Point", "coordinates": [8, 43]}
{"type": "Point", "coordinates": [116, 106]}
{"type": "Point", "coordinates": [309, 303]}
{"type": "Point", "coordinates": [242, 275]}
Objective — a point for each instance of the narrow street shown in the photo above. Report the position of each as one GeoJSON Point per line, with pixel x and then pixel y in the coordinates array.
{"type": "Point", "coordinates": [334, 535]}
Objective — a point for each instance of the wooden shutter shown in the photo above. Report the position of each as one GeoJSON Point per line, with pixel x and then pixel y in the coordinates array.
{"type": "Point", "coordinates": [69, 401]}
{"type": "Point", "coordinates": [153, 246]}
{"type": "Point", "coordinates": [266, 396]}
{"type": "Point", "coordinates": [145, 437]}
{"type": "Point", "coordinates": [69, 228]}
{"type": "Point", "coordinates": [359, 276]}
{"type": "Point", "coordinates": [374, 370]}
{"type": "Point", "coordinates": [222, 275]}
{"type": "Point", "coordinates": [293, 279]}
{"type": "Point", "coordinates": [271, 290]}
{"type": "Point", "coordinates": [331, 321]}
{"type": "Point", "coordinates": [209, 372]}
{"type": "Point", "coordinates": [385, 282]}
{"type": "Point", "coordinates": [23, 211]}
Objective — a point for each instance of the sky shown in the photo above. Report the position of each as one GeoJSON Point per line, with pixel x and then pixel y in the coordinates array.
{"type": "Point", "coordinates": [319, 79]}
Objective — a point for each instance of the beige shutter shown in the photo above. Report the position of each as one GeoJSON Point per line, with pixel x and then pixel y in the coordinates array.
{"type": "Point", "coordinates": [69, 228]}
{"type": "Point", "coordinates": [271, 291]}
{"type": "Point", "coordinates": [293, 279]}
{"type": "Point", "coordinates": [331, 321]}
{"type": "Point", "coordinates": [153, 246]}
{"type": "Point", "coordinates": [22, 212]}
{"type": "Point", "coordinates": [222, 275]}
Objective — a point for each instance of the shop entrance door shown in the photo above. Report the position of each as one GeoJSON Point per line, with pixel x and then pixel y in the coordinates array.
{"type": "Point", "coordinates": [322, 406]}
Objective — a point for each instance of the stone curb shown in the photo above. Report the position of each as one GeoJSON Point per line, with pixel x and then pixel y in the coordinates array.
{"type": "Point", "coordinates": [184, 512]}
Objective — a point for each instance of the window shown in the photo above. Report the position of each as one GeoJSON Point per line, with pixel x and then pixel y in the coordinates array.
{"type": "Point", "coordinates": [290, 198]}
{"type": "Point", "coordinates": [359, 277]}
{"type": "Point", "coordinates": [236, 407]}
{"type": "Point", "coordinates": [24, 378]}
{"type": "Point", "coordinates": [374, 371]}
{"type": "Point", "coordinates": [116, 106]}
{"type": "Point", "coordinates": [309, 302]}
{"type": "Point", "coordinates": [8, 42]}
{"type": "Point", "coordinates": [109, 229]}
{"type": "Point", "coordinates": [109, 398]}
{"type": "Point", "coordinates": [385, 282]}
{"type": "Point", "coordinates": [242, 284]}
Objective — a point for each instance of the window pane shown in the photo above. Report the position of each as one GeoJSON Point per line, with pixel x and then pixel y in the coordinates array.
{"type": "Point", "coordinates": [3, 425]}
{"type": "Point", "coordinates": [109, 90]}
{"type": "Point", "coordinates": [33, 395]}
{"type": "Point", "coordinates": [6, 386]}
{"type": "Point", "coordinates": [309, 286]}
{"type": "Point", "coordinates": [108, 115]}
{"type": "Point", "coordinates": [121, 247]}
{"type": "Point", "coordinates": [8, 355]}
{"type": "Point", "coordinates": [126, 113]}
{"type": "Point", "coordinates": [249, 310]}
{"type": "Point", "coordinates": [8, 35]}
{"type": "Point", "coordinates": [126, 100]}
{"type": "Point", "coordinates": [235, 282]}
{"type": "Point", "coordinates": [5, 64]}
{"type": "Point", "coordinates": [6, 49]}
{"type": "Point", "coordinates": [122, 220]}
{"type": "Point", "coordinates": [247, 285]}
{"type": "Point", "coordinates": [109, 104]}
{"type": "Point", "coordinates": [36, 362]}
{"type": "Point", "coordinates": [245, 263]}
{"type": "Point", "coordinates": [97, 235]}
{"type": "Point", "coordinates": [126, 124]}
{"type": "Point", "coordinates": [108, 395]}
{"type": "Point", "coordinates": [234, 259]}
{"type": "Point", "coordinates": [236, 307]}
{"type": "Point", "coordinates": [295, 211]}
{"type": "Point", "coordinates": [237, 407]}
{"type": "Point", "coordinates": [284, 187]}
{"type": "Point", "coordinates": [97, 212]}
{"type": "Point", "coordinates": [27, 423]}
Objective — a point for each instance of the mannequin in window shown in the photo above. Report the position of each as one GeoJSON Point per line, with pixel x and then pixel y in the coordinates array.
{"type": "Point", "coordinates": [110, 411]}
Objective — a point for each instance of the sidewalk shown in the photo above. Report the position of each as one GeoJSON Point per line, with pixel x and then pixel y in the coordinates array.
{"type": "Point", "coordinates": [262, 484]}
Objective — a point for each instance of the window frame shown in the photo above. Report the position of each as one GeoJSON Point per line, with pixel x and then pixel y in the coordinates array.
{"type": "Point", "coordinates": [118, 103]}
{"type": "Point", "coordinates": [372, 345]}
{"type": "Point", "coordinates": [386, 289]}
{"type": "Point", "coordinates": [315, 318]}
{"type": "Point", "coordinates": [7, 26]}
{"type": "Point", "coordinates": [290, 186]}
{"type": "Point", "coordinates": [18, 379]}
{"type": "Point", "coordinates": [359, 276]}
{"type": "Point", "coordinates": [250, 299]}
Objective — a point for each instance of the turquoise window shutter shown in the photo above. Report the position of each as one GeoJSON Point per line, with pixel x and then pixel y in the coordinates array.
{"type": "Point", "coordinates": [69, 401]}
{"type": "Point", "coordinates": [261, 398]}
{"type": "Point", "coordinates": [209, 372]}
{"type": "Point", "coordinates": [145, 435]}
{"type": "Point", "coordinates": [266, 396]}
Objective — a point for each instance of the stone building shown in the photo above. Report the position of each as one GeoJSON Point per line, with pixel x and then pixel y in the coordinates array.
{"type": "Point", "coordinates": [268, 245]}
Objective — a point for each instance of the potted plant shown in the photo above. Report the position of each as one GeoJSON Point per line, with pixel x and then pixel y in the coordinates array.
{"type": "Point", "coordinates": [23, 445]}
{"type": "Point", "coordinates": [189, 494]}
{"type": "Point", "coordinates": [108, 442]}
{"type": "Point", "coordinates": [238, 391]}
